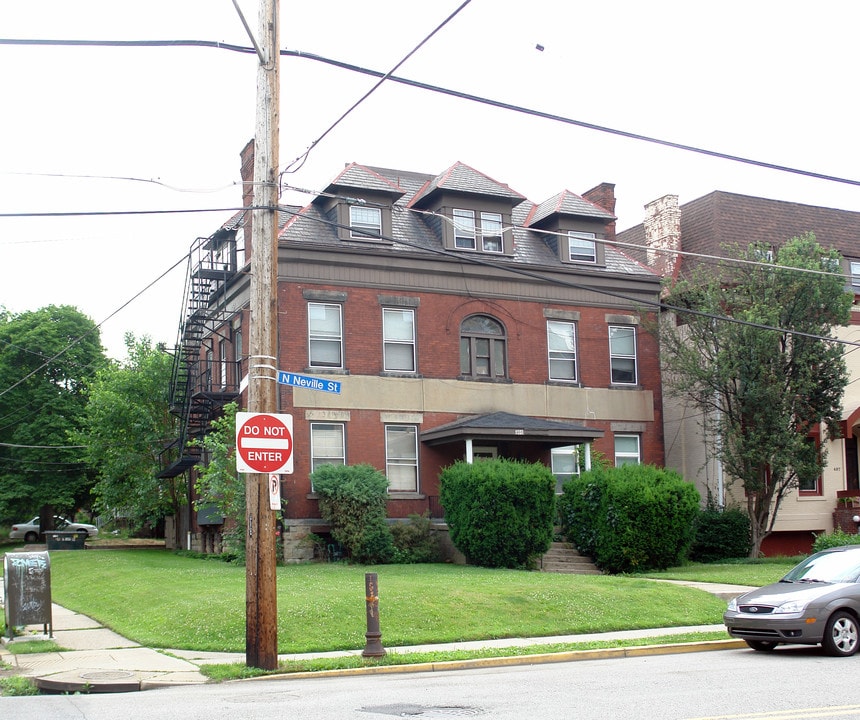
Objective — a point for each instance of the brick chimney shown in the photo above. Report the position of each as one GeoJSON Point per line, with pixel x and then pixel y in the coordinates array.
{"type": "Point", "coordinates": [663, 234]}
{"type": "Point", "coordinates": [603, 195]}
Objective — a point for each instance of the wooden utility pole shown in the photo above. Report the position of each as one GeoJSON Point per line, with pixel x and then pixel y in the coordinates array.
{"type": "Point", "coordinates": [261, 609]}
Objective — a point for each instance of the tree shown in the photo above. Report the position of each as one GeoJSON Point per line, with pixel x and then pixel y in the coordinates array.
{"type": "Point", "coordinates": [126, 425]}
{"type": "Point", "coordinates": [769, 377]}
{"type": "Point", "coordinates": [218, 483]}
{"type": "Point", "coordinates": [47, 356]}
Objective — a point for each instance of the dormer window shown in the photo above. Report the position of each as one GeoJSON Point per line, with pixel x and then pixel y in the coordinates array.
{"type": "Point", "coordinates": [486, 237]}
{"type": "Point", "coordinates": [582, 246]}
{"type": "Point", "coordinates": [365, 222]}
{"type": "Point", "coordinates": [855, 273]}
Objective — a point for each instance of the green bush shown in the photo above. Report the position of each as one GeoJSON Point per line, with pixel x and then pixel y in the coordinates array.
{"type": "Point", "coordinates": [631, 518]}
{"type": "Point", "coordinates": [721, 535]}
{"type": "Point", "coordinates": [353, 500]}
{"type": "Point", "coordinates": [414, 541]}
{"type": "Point", "coordinates": [837, 538]}
{"type": "Point", "coordinates": [499, 512]}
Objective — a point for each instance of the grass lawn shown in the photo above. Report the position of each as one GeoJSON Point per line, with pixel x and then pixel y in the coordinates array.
{"type": "Point", "coordinates": [161, 599]}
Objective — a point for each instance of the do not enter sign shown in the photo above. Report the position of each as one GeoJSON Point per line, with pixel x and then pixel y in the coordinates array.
{"type": "Point", "coordinates": [264, 443]}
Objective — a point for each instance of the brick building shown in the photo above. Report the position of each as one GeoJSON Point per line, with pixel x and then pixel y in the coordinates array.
{"type": "Point", "coordinates": [707, 226]}
{"type": "Point", "coordinates": [461, 320]}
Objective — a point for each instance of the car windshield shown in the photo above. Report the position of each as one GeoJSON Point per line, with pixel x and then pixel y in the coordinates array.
{"type": "Point", "coordinates": [836, 567]}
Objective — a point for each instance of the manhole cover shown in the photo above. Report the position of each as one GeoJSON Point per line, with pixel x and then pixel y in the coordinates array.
{"type": "Point", "coordinates": [106, 675]}
{"type": "Point", "coordinates": [428, 711]}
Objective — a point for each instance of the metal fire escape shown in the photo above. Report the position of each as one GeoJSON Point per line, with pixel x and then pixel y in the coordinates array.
{"type": "Point", "coordinates": [194, 398]}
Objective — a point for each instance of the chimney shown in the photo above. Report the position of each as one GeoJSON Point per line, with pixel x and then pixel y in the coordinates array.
{"type": "Point", "coordinates": [663, 234]}
{"type": "Point", "coordinates": [603, 195]}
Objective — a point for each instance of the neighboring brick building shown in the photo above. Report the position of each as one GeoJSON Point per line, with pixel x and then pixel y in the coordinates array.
{"type": "Point", "coordinates": [707, 226]}
{"type": "Point", "coordinates": [461, 319]}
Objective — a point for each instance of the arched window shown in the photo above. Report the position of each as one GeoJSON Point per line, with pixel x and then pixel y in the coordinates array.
{"type": "Point", "coordinates": [483, 352]}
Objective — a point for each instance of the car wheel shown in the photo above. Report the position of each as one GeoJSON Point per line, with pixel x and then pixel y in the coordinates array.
{"type": "Point", "coordinates": [31, 537]}
{"type": "Point", "coordinates": [761, 645]}
{"type": "Point", "coordinates": [841, 634]}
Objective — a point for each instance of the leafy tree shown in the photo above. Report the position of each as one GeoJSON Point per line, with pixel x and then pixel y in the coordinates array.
{"type": "Point", "coordinates": [762, 391]}
{"type": "Point", "coordinates": [126, 425]}
{"type": "Point", "coordinates": [218, 483]}
{"type": "Point", "coordinates": [47, 356]}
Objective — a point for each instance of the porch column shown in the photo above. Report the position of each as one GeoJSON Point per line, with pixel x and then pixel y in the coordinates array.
{"type": "Point", "coordinates": [588, 456]}
{"type": "Point", "coordinates": [469, 456]}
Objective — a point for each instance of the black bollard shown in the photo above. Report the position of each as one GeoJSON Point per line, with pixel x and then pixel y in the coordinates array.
{"type": "Point", "coordinates": [373, 647]}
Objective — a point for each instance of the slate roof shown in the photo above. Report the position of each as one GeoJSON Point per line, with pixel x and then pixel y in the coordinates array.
{"type": "Point", "coordinates": [568, 203]}
{"type": "Point", "coordinates": [415, 232]}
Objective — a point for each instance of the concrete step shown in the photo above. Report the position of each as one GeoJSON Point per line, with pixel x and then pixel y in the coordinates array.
{"type": "Point", "coordinates": [563, 557]}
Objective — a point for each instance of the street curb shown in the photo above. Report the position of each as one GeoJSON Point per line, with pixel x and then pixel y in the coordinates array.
{"type": "Point", "coordinates": [513, 660]}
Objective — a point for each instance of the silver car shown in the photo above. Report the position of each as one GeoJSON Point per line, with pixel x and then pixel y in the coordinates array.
{"type": "Point", "coordinates": [29, 531]}
{"type": "Point", "coordinates": [817, 602]}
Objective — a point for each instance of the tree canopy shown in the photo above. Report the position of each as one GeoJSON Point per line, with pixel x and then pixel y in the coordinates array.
{"type": "Point", "coordinates": [126, 424]}
{"type": "Point", "coordinates": [767, 378]}
{"type": "Point", "coordinates": [47, 357]}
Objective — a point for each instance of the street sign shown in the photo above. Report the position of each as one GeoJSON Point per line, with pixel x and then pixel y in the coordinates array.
{"type": "Point", "coordinates": [274, 492]}
{"type": "Point", "coordinates": [264, 443]}
{"type": "Point", "coordinates": [308, 382]}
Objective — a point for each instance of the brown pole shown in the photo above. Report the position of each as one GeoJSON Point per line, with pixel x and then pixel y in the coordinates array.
{"type": "Point", "coordinates": [373, 647]}
{"type": "Point", "coordinates": [261, 612]}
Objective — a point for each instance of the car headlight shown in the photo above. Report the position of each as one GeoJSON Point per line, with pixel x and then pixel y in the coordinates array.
{"type": "Point", "coordinates": [792, 606]}
{"type": "Point", "coordinates": [733, 605]}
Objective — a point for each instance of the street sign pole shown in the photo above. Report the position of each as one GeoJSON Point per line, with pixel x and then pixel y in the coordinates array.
{"type": "Point", "coordinates": [261, 613]}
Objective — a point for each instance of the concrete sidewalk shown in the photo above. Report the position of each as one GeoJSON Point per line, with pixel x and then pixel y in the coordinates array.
{"type": "Point", "coordinates": [96, 659]}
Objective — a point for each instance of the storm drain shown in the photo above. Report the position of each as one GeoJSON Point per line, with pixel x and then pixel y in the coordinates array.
{"type": "Point", "coordinates": [427, 711]}
{"type": "Point", "coordinates": [106, 675]}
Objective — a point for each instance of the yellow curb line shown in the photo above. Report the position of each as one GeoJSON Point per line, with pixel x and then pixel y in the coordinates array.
{"type": "Point", "coordinates": [511, 660]}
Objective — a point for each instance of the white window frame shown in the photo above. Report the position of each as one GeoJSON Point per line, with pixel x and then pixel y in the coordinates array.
{"type": "Point", "coordinates": [390, 343]}
{"type": "Point", "coordinates": [854, 266]}
{"type": "Point", "coordinates": [560, 461]}
{"type": "Point", "coordinates": [491, 232]}
{"type": "Point", "coordinates": [464, 229]}
{"type": "Point", "coordinates": [319, 456]}
{"type": "Point", "coordinates": [399, 466]}
{"type": "Point", "coordinates": [582, 242]}
{"type": "Point", "coordinates": [363, 228]}
{"type": "Point", "coordinates": [615, 355]}
{"type": "Point", "coordinates": [557, 357]}
{"type": "Point", "coordinates": [321, 337]}
{"type": "Point", "coordinates": [222, 363]}
{"type": "Point", "coordinates": [627, 457]}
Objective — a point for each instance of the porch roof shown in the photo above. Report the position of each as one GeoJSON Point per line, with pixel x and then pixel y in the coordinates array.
{"type": "Point", "coordinates": [500, 426]}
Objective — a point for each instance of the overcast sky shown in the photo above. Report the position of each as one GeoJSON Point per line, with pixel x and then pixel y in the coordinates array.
{"type": "Point", "coordinates": [769, 80]}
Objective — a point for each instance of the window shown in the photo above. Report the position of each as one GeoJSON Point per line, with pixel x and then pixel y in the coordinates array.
{"type": "Point", "coordinates": [237, 348]}
{"type": "Point", "coordinates": [482, 348]}
{"type": "Point", "coordinates": [811, 485]}
{"type": "Point", "coordinates": [855, 273]}
{"type": "Point", "coordinates": [207, 371]}
{"type": "Point", "coordinates": [565, 464]}
{"type": "Point", "coordinates": [582, 247]}
{"type": "Point", "coordinates": [325, 337]}
{"type": "Point", "coordinates": [622, 354]}
{"type": "Point", "coordinates": [401, 458]}
{"type": "Point", "coordinates": [466, 231]}
{"type": "Point", "coordinates": [327, 446]}
{"type": "Point", "coordinates": [491, 232]}
{"type": "Point", "coordinates": [398, 340]}
{"type": "Point", "coordinates": [222, 363]}
{"type": "Point", "coordinates": [626, 450]}
{"type": "Point", "coordinates": [365, 222]}
{"type": "Point", "coordinates": [561, 343]}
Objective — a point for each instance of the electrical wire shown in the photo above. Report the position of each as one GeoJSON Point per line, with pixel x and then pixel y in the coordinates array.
{"type": "Point", "coordinates": [301, 159]}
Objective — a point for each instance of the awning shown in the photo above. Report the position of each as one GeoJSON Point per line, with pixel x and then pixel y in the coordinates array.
{"type": "Point", "coordinates": [503, 426]}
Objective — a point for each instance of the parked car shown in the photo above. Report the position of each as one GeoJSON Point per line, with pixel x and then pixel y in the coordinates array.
{"type": "Point", "coordinates": [29, 531]}
{"type": "Point", "coordinates": [817, 602]}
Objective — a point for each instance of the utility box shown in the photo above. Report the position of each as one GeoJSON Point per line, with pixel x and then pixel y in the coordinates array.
{"type": "Point", "coordinates": [64, 540]}
{"type": "Point", "coordinates": [27, 591]}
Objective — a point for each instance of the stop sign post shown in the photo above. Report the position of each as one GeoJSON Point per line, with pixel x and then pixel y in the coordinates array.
{"type": "Point", "coordinates": [264, 443]}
